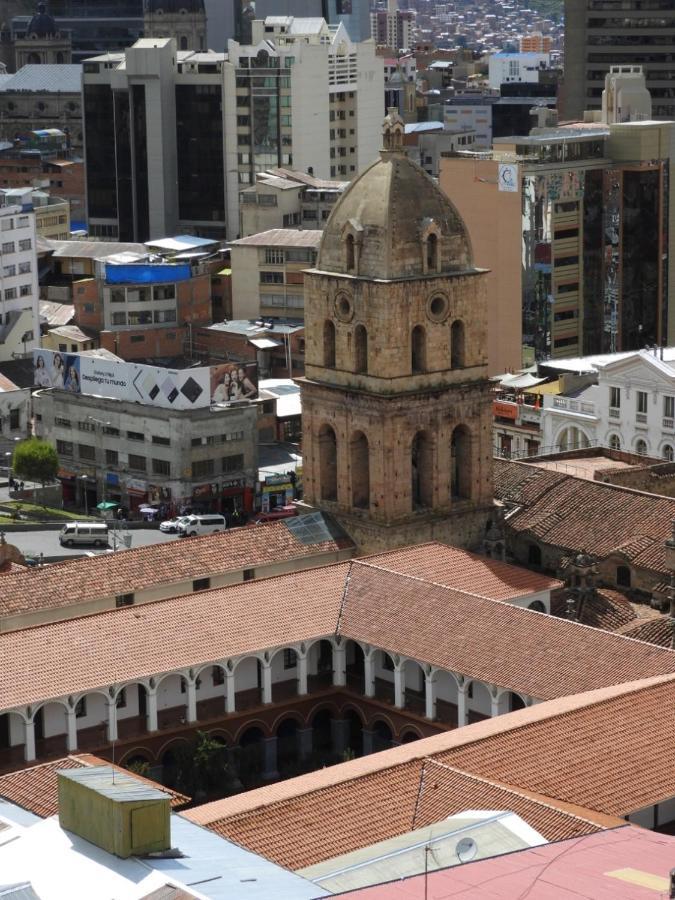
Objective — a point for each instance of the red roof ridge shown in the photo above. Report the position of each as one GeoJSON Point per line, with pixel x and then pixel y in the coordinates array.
{"type": "Point", "coordinates": [322, 779]}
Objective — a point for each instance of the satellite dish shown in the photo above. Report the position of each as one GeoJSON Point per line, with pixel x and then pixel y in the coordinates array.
{"type": "Point", "coordinates": [466, 850]}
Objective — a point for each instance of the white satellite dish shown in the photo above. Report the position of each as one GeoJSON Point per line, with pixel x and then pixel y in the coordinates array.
{"type": "Point", "coordinates": [466, 850]}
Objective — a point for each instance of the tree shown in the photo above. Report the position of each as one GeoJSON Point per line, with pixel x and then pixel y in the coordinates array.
{"type": "Point", "coordinates": [35, 460]}
{"type": "Point", "coordinates": [200, 768]}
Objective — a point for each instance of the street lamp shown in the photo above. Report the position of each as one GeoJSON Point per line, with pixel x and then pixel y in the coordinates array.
{"type": "Point", "coordinates": [84, 479]}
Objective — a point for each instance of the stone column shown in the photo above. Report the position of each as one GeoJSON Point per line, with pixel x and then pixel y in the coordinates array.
{"type": "Point", "coordinates": [462, 716]}
{"type": "Point", "coordinates": [430, 695]}
{"type": "Point", "coordinates": [399, 685]}
{"type": "Point", "coordinates": [339, 665]}
{"type": "Point", "coordinates": [191, 696]}
{"type": "Point", "coordinates": [339, 734]}
{"type": "Point", "coordinates": [494, 701]}
{"type": "Point", "coordinates": [270, 770]}
{"type": "Point", "coordinates": [369, 666]}
{"type": "Point", "coordinates": [152, 709]}
{"type": "Point", "coordinates": [29, 741]}
{"type": "Point", "coordinates": [71, 728]}
{"type": "Point", "coordinates": [266, 682]}
{"type": "Point", "coordinates": [305, 742]}
{"type": "Point", "coordinates": [302, 673]}
{"type": "Point", "coordinates": [230, 695]}
{"type": "Point", "coordinates": [112, 719]}
{"type": "Point", "coordinates": [368, 736]}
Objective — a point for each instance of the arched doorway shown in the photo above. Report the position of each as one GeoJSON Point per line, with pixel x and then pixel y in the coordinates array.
{"type": "Point", "coordinates": [354, 732]}
{"type": "Point", "coordinates": [356, 667]}
{"type": "Point", "coordinates": [328, 463]}
{"type": "Point", "coordinates": [422, 475]}
{"type": "Point", "coordinates": [284, 674]}
{"type": "Point", "coordinates": [418, 350]}
{"type": "Point", "coordinates": [360, 469]}
{"type": "Point", "coordinates": [446, 698]}
{"type": "Point", "coordinates": [382, 736]}
{"type": "Point", "coordinates": [251, 757]}
{"type": "Point", "coordinates": [51, 738]}
{"type": "Point", "coordinates": [329, 344]}
{"type": "Point", "coordinates": [287, 748]}
{"type": "Point", "coordinates": [457, 345]}
{"type": "Point", "coordinates": [460, 465]}
{"type": "Point", "coordinates": [623, 577]}
{"type": "Point", "coordinates": [509, 701]}
{"type": "Point", "coordinates": [322, 737]}
{"type": "Point", "coordinates": [320, 665]}
{"type": "Point", "coordinates": [409, 736]}
{"type": "Point", "coordinates": [384, 676]}
{"type": "Point", "coordinates": [537, 606]}
{"type": "Point", "coordinates": [414, 698]}
{"type": "Point", "coordinates": [479, 702]}
{"type": "Point", "coordinates": [361, 350]}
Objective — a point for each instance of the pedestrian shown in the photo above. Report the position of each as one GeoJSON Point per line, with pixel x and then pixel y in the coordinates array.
{"type": "Point", "coordinates": [21, 486]}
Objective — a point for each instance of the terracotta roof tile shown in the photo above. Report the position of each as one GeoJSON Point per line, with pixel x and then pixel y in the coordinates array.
{"type": "Point", "coordinates": [35, 789]}
{"type": "Point", "coordinates": [490, 640]}
{"type": "Point", "coordinates": [572, 513]}
{"type": "Point", "coordinates": [555, 764]}
{"type": "Point", "coordinates": [63, 584]}
{"type": "Point", "coordinates": [608, 610]}
{"type": "Point", "coordinates": [656, 630]}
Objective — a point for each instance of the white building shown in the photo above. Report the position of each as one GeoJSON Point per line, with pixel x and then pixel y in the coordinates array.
{"type": "Point", "coordinates": [632, 407]}
{"type": "Point", "coordinates": [505, 68]}
{"type": "Point", "coordinates": [19, 317]}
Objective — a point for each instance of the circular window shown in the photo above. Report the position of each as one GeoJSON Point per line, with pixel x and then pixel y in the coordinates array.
{"type": "Point", "coordinates": [344, 308]}
{"type": "Point", "coordinates": [437, 308]}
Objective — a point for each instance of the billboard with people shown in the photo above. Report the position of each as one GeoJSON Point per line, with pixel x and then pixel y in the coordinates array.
{"type": "Point", "coordinates": [193, 388]}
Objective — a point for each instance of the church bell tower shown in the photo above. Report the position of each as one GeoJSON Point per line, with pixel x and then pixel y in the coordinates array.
{"type": "Point", "coordinates": [397, 411]}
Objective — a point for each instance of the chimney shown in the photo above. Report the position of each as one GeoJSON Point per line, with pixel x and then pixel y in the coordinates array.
{"type": "Point", "coordinates": [114, 810]}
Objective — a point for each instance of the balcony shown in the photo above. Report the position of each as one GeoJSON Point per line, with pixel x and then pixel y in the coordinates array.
{"type": "Point", "coordinates": [614, 412]}
{"type": "Point", "coordinates": [641, 419]}
{"type": "Point", "coordinates": [668, 424]}
{"type": "Point", "coordinates": [585, 407]}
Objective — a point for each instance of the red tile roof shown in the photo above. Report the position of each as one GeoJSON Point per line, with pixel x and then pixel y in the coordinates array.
{"type": "Point", "coordinates": [656, 630]}
{"type": "Point", "coordinates": [559, 756]}
{"type": "Point", "coordinates": [81, 580]}
{"type": "Point", "coordinates": [608, 610]}
{"type": "Point", "coordinates": [575, 513]}
{"type": "Point", "coordinates": [36, 790]}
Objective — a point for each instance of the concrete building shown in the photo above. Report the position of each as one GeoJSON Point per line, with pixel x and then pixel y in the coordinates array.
{"type": "Point", "coordinates": [268, 272]}
{"type": "Point", "coordinates": [26, 166]}
{"type": "Point", "coordinates": [133, 453]}
{"type": "Point", "coordinates": [41, 41]}
{"type": "Point", "coordinates": [15, 415]}
{"type": "Point", "coordinates": [284, 198]}
{"type": "Point", "coordinates": [43, 96]}
{"type": "Point", "coordinates": [19, 316]}
{"type": "Point", "coordinates": [184, 20]}
{"type": "Point", "coordinates": [536, 42]}
{"type": "Point", "coordinates": [579, 241]}
{"type": "Point", "coordinates": [523, 67]}
{"type": "Point", "coordinates": [428, 142]}
{"type": "Point", "coordinates": [392, 27]}
{"type": "Point", "coordinates": [52, 214]}
{"type": "Point", "coordinates": [597, 38]}
{"type": "Point", "coordinates": [396, 403]}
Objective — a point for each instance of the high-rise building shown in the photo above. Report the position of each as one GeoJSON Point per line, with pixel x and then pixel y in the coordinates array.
{"type": "Point", "coordinates": [396, 400]}
{"type": "Point", "coordinates": [184, 20]}
{"type": "Point", "coordinates": [632, 32]}
{"type": "Point", "coordinates": [172, 136]}
{"type": "Point", "coordinates": [19, 320]}
{"type": "Point", "coordinates": [392, 27]}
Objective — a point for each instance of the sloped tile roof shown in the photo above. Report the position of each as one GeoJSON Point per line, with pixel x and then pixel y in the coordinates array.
{"type": "Point", "coordinates": [608, 610]}
{"type": "Point", "coordinates": [36, 790]}
{"type": "Point", "coordinates": [506, 762]}
{"type": "Point", "coordinates": [656, 630]}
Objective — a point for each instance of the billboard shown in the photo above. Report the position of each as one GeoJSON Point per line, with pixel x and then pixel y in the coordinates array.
{"type": "Point", "coordinates": [149, 385]}
{"type": "Point", "coordinates": [234, 381]}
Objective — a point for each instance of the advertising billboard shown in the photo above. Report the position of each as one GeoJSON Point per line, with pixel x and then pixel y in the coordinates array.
{"type": "Point", "coordinates": [195, 388]}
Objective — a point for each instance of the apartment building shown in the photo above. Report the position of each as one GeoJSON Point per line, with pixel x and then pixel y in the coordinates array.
{"type": "Point", "coordinates": [392, 27]}
{"type": "Point", "coordinates": [602, 33]}
{"type": "Point", "coordinates": [284, 198]}
{"type": "Point", "coordinates": [52, 214]}
{"type": "Point", "coordinates": [172, 136]}
{"type": "Point", "coordinates": [19, 317]}
{"type": "Point", "coordinates": [268, 272]}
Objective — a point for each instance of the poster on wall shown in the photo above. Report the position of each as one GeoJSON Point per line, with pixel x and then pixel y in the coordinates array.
{"type": "Point", "coordinates": [132, 382]}
{"type": "Point", "coordinates": [234, 381]}
{"type": "Point", "coordinates": [508, 178]}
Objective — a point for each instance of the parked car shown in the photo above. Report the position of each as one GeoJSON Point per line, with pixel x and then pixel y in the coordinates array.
{"type": "Point", "coordinates": [170, 526]}
{"type": "Point", "coordinates": [205, 524]}
{"type": "Point", "coordinates": [280, 512]}
{"type": "Point", "coordinates": [95, 533]}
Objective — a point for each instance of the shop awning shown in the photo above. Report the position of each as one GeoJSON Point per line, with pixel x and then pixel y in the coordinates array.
{"type": "Point", "coordinates": [521, 382]}
{"type": "Point", "coordinates": [552, 387]}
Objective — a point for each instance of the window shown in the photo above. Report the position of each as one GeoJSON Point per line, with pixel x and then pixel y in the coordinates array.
{"type": "Point", "coordinates": [233, 463]}
{"type": "Point", "coordinates": [201, 584]}
{"type": "Point", "coordinates": [418, 350]}
{"type": "Point", "coordinates": [108, 429]}
{"type": "Point", "coordinates": [111, 457]}
{"type": "Point", "coordinates": [87, 452]}
{"type": "Point", "coordinates": [64, 448]}
{"type": "Point", "coordinates": [615, 442]}
{"type": "Point", "coordinates": [137, 339]}
{"type": "Point", "coordinates": [667, 453]}
{"type": "Point", "coordinates": [234, 436]}
{"type": "Point", "coordinates": [14, 419]}
{"type": "Point", "coordinates": [641, 402]}
{"type": "Point", "coordinates": [202, 467]}
{"type": "Point", "coordinates": [164, 292]}
{"type": "Point", "coordinates": [24, 268]}
{"type": "Point", "coordinates": [81, 708]}
{"type": "Point", "coordinates": [217, 675]}
{"type": "Point", "coordinates": [290, 659]}
{"type": "Point", "coordinates": [161, 467]}
{"type": "Point", "coordinates": [135, 436]}
{"type": "Point", "coordinates": [121, 700]}
{"type": "Point", "coordinates": [25, 244]}
{"type": "Point", "coordinates": [669, 407]}
{"type": "Point", "coordinates": [118, 318]}
{"type": "Point", "coordinates": [249, 574]}
{"type": "Point", "coordinates": [25, 291]}
{"type": "Point", "coordinates": [162, 441]}
{"type": "Point", "coordinates": [387, 662]}
{"type": "Point", "coordinates": [641, 447]}
{"type": "Point", "coordinates": [615, 397]}
{"type": "Point", "coordinates": [271, 277]}
{"type": "Point", "coordinates": [623, 576]}
{"type": "Point", "coordinates": [274, 257]}
{"type": "Point", "coordinates": [137, 462]}
{"type": "Point", "coordinates": [64, 423]}
{"type": "Point", "coordinates": [329, 344]}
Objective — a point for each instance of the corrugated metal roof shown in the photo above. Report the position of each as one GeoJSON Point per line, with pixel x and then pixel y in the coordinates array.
{"type": "Point", "coordinates": [65, 78]}
{"type": "Point", "coordinates": [282, 237]}
{"type": "Point", "coordinates": [113, 784]}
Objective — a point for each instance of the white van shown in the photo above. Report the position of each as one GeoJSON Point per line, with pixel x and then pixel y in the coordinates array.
{"type": "Point", "coordinates": [205, 524]}
{"type": "Point", "coordinates": [95, 533]}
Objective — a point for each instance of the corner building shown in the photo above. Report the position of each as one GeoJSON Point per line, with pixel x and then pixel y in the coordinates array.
{"type": "Point", "coordinates": [396, 402]}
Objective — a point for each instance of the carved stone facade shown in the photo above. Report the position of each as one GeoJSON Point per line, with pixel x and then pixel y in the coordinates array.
{"type": "Point", "coordinates": [396, 401]}
{"type": "Point", "coordinates": [42, 42]}
{"type": "Point", "coordinates": [184, 20]}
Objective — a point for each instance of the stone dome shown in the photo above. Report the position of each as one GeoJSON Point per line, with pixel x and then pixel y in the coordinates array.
{"type": "Point", "coordinates": [42, 25]}
{"type": "Point", "coordinates": [393, 221]}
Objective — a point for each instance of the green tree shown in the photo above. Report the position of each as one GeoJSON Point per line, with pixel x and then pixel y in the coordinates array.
{"type": "Point", "coordinates": [35, 460]}
{"type": "Point", "coordinates": [201, 768]}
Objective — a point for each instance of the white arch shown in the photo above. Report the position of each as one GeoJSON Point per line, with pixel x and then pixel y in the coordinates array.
{"type": "Point", "coordinates": [580, 438]}
{"type": "Point", "coordinates": [641, 439]}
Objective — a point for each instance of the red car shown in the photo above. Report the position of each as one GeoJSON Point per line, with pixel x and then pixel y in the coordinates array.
{"type": "Point", "coordinates": [280, 512]}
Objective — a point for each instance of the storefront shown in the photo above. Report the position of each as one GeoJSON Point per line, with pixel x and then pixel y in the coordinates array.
{"type": "Point", "coordinates": [138, 494]}
{"type": "Point", "coordinates": [236, 496]}
{"type": "Point", "coordinates": [205, 498]}
{"type": "Point", "coordinates": [277, 490]}
{"type": "Point", "coordinates": [68, 487]}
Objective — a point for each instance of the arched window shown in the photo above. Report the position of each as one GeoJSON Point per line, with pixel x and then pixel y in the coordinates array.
{"type": "Point", "coordinates": [457, 345]}
{"type": "Point", "coordinates": [328, 463]}
{"type": "Point", "coordinates": [350, 253]}
{"type": "Point", "coordinates": [534, 556]}
{"type": "Point", "coordinates": [183, 43]}
{"type": "Point", "coordinates": [418, 350]}
{"type": "Point", "coordinates": [537, 605]}
{"type": "Point", "coordinates": [460, 463]}
{"type": "Point", "coordinates": [60, 58]}
{"type": "Point", "coordinates": [623, 576]}
{"type": "Point", "coordinates": [360, 466]}
{"type": "Point", "coordinates": [34, 59]}
{"type": "Point", "coordinates": [360, 349]}
{"type": "Point", "coordinates": [432, 253]}
{"type": "Point", "coordinates": [615, 442]}
{"type": "Point", "coordinates": [641, 447]}
{"type": "Point", "coordinates": [329, 344]}
{"type": "Point", "coordinates": [667, 453]}
{"type": "Point", "coordinates": [422, 471]}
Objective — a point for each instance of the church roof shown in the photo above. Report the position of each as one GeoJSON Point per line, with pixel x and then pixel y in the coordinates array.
{"type": "Point", "coordinates": [389, 209]}
{"type": "Point", "coordinates": [42, 24]}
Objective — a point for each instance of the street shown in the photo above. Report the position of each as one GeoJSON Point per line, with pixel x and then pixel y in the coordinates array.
{"type": "Point", "coordinates": [32, 543]}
